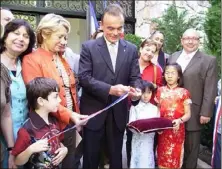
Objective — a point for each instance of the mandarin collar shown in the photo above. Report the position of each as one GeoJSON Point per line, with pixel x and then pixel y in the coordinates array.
{"type": "Point", "coordinates": [172, 88]}
{"type": "Point", "coordinates": [144, 104]}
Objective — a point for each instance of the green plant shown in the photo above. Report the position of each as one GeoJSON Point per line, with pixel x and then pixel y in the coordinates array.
{"type": "Point", "coordinates": [212, 28]}
{"type": "Point", "coordinates": [136, 40]}
{"type": "Point", "coordinates": [212, 46]}
{"type": "Point", "coordinates": [173, 24]}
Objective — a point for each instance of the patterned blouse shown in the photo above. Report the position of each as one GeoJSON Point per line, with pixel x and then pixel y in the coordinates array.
{"type": "Point", "coordinates": [65, 77]}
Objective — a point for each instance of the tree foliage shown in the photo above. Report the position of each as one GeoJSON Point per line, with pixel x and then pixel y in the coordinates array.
{"type": "Point", "coordinates": [213, 47]}
{"type": "Point", "coordinates": [173, 24]}
{"type": "Point", "coordinates": [136, 40]}
{"type": "Point", "coordinates": [212, 28]}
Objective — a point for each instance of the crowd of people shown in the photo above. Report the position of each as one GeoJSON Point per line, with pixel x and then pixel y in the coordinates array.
{"type": "Point", "coordinates": [47, 89]}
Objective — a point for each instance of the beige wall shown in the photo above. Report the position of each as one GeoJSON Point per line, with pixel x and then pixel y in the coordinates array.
{"type": "Point", "coordinates": [77, 35]}
{"type": "Point", "coordinates": [83, 30]}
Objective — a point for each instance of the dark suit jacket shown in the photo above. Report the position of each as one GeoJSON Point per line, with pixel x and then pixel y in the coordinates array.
{"type": "Point", "coordinates": [200, 79]}
{"type": "Point", "coordinates": [96, 76]}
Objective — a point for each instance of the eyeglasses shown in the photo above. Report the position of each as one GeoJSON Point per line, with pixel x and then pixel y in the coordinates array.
{"type": "Point", "coordinates": [190, 38]}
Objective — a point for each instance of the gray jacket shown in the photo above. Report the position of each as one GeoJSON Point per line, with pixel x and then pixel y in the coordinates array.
{"type": "Point", "coordinates": [72, 59]}
{"type": "Point", "coordinates": [200, 79]}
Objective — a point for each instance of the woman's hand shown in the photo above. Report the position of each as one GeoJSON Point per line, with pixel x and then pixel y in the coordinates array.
{"type": "Point", "coordinates": [60, 155]}
{"type": "Point", "coordinates": [79, 120]}
{"type": "Point", "coordinates": [176, 124]}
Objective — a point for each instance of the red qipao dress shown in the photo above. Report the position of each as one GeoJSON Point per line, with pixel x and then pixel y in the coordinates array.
{"type": "Point", "coordinates": [170, 147]}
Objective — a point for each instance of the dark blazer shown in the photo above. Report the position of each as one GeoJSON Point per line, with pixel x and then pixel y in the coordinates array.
{"type": "Point", "coordinates": [96, 76]}
{"type": "Point", "coordinates": [200, 79]}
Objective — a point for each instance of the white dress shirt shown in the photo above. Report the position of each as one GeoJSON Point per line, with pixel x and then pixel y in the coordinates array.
{"type": "Point", "coordinates": [113, 50]}
{"type": "Point", "coordinates": [184, 59]}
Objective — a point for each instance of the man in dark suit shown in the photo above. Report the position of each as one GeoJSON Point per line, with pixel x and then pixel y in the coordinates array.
{"type": "Point", "coordinates": [108, 69]}
{"type": "Point", "coordinates": [200, 78]}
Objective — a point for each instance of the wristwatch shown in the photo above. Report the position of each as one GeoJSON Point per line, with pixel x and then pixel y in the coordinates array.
{"type": "Point", "coordinates": [9, 148]}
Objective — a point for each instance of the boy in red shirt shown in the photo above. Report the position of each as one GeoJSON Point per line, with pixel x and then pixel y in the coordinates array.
{"type": "Point", "coordinates": [33, 147]}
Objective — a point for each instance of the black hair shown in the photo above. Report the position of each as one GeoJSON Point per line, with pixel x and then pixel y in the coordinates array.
{"type": "Point", "coordinates": [114, 10]}
{"type": "Point", "coordinates": [11, 27]}
{"type": "Point", "coordinates": [161, 58]}
{"type": "Point", "coordinates": [179, 71]}
{"type": "Point", "coordinates": [155, 32]}
{"type": "Point", "coordinates": [40, 87]}
{"type": "Point", "coordinates": [145, 85]}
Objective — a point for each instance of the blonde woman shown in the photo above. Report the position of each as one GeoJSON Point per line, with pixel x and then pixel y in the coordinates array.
{"type": "Point", "coordinates": [47, 61]}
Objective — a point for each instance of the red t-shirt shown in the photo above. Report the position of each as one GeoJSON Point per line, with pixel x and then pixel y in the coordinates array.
{"type": "Point", "coordinates": [148, 75]}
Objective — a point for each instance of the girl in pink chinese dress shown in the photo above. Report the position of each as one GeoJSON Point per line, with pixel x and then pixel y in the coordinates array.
{"type": "Point", "coordinates": [174, 103]}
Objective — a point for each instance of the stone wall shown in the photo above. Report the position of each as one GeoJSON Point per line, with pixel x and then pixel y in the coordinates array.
{"type": "Point", "coordinates": [145, 11]}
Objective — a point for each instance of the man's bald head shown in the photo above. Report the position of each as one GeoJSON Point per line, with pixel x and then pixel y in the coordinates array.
{"type": "Point", "coordinates": [191, 32]}
{"type": "Point", "coordinates": [190, 40]}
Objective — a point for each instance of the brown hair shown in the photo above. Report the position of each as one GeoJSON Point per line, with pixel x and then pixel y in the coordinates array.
{"type": "Point", "coordinates": [11, 27]}
{"type": "Point", "coordinates": [40, 87]}
{"type": "Point", "coordinates": [147, 42]}
{"type": "Point", "coordinates": [94, 36]}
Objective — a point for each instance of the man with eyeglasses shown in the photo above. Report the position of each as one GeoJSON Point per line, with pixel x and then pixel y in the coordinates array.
{"type": "Point", "coordinates": [200, 78]}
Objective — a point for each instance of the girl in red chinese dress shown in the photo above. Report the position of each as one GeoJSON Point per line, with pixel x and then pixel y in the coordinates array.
{"type": "Point", "coordinates": [174, 103]}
